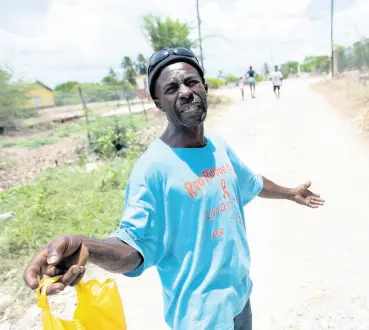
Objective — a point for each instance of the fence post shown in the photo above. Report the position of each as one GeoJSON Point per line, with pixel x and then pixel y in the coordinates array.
{"type": "Point", "coordinates": [125, 93]}
{"type": "Point", "coordinates": [143, 107]}
{"type": "Point", "coordinates": [86, 110]}
{"type": "Point", "coordinates": [116, 96]}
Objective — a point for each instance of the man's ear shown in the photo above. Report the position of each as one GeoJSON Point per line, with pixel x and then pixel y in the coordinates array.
{"type": "Point", "coordinates": [159, 105]}
{"type": "Point", "coordinates": [206, 87]}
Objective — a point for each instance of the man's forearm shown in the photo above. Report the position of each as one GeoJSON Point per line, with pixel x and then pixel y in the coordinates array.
{"type": "Point", "coordinates": [272, 190]}
{"type": "Point", "coordinates": [112, 254]}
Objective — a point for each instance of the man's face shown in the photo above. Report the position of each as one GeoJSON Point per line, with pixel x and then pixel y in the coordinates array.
{"type": "Point", "coordinates": [182, 95]}
{"type": "Point", "coordinates": [276, 68]}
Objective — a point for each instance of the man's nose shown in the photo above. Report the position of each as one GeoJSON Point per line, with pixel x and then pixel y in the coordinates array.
{"type": "Point", "coordinates": [185, 93]}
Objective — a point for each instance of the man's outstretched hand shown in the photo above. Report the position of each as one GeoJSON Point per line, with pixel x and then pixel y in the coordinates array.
{"type": "Point", "coordinates": [66, 256]}
{"type": "Point", "coordinates": [303, 196]}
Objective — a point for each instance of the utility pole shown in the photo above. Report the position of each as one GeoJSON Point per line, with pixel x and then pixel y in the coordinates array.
{"type": "Point", "coordinates": [332, 44]}
{"type": "Point", "coordinates": [200, 37]}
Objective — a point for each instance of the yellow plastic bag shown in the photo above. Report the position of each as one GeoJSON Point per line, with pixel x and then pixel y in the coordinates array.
{"type": "Point", "coordinates": [99, 307]}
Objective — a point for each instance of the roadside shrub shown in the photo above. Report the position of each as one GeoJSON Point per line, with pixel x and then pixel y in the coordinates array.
{"type": "Point", "coordinates": [259, 77]}
{"type": "Point", "coordinates": [12, 102]}
{"type": "Point", "coordinates": [231, 79]}
{"type": "Point", "coordinates": [214, 83]}
{"type": "Point", "coordinates": [112, 136]}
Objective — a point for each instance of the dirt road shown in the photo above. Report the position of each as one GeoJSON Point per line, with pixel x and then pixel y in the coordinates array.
{"type": "Point", "coordinates": [309, 266]}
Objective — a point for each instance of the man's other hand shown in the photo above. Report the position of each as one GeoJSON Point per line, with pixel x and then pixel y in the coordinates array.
{"type": "Point", "coordinates": [303, 196]}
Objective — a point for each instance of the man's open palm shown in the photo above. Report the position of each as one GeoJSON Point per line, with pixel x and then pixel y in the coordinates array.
{"type": "Point", "coordinates": [305, 197]}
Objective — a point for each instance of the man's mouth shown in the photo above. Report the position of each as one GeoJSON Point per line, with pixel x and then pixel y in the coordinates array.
{"type": "Point", "coordinates": [191, 107]}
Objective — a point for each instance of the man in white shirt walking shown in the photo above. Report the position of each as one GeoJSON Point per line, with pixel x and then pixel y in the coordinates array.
{"type": "Point", "coordinates": [276, 78]}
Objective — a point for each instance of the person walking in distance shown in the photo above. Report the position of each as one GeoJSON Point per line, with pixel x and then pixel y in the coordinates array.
{"type": "Point", "coordinates": [241, 86]}
{"type": "Point", "coordinates": [251, 75]}
{"type": "Point", "coordinates": [276, 78]}
{"type": "Point", "coordinates": [172, 216]}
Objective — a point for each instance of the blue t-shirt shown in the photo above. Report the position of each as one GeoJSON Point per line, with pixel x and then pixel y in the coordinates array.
{"type": "Point", "coordinates": [184, 214]}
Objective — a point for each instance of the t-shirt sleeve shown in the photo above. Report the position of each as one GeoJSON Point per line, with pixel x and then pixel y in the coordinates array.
{"type": "Point", "coordinates": [143, 225]}
{"type": "Point", "coordinates": [251, 184]}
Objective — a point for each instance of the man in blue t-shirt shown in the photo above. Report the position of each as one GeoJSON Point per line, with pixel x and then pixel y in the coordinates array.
{"type": "Point", "coordinates": [183, 212]}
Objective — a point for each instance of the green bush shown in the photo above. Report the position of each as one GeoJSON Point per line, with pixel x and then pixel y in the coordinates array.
{"type": "Point", "coordinates": [214, 83]}
{"type": "Point", "coordinates": [112, 136]}
{"type": "Point", "coordinates": [12, 102]}
{"type": "Point", "coordinates": [231, 78]}
{"type": "Point", "coordinates": [259, 77]}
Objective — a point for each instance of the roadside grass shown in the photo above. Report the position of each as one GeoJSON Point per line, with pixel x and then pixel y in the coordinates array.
{"type": "Point", "coordinates": [5, 165]}
{"type": "Point", "coordinates": [64, 200]}
{"type": "Point", "coordinates": [54, 134]}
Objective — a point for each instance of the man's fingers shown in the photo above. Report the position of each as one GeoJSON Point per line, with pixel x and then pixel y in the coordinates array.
{"type": "Point", "coordinates": [55, 288]}
{"type": "Point", "coordinates": [31, 276]}
{"type": "Point", "coordinates": [79, 277]}
{"type": "Point", "coordinates": [52, 271]}
{"type": "Point", "coordinates": [71, 275]}
{"type": "Point", "coordinates": [314, 202]}
{"type": "Point", "coordinates": [61, 248]}
{"type": "Point", "coordinates": [67, 279]}
{"type": "Point", "coordinates": [56, 250]}
{"type": "Point", "coordinates": [317, 200]}
{"type": "Point", "coordinates": [34, 270]}
{"type": "Point", "coordinates": [313, 206]}
{"type": "Point", "coordinates": [308, 184]}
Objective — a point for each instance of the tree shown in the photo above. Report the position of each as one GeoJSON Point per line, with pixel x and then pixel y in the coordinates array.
{"type": "Point", "coordinates": [129, 71]}
{"type": "Point", "coordinates": [141, 64]}
{"type": "Point", "coordinates": [341, 58]}
{"type": "Point", "coordinates": [289, 67]}
{"type": "Point", "coordinates": [12, 101]}
{"type": "Point", "coordinates": [66, 87]}
{"type": "Point", "coordinates": [259, 77]}
{"type": "Point", "coordinates": [316, 64]}
{"type": "Point", "coordinates": [230, 78]}
{"type": "Point", "coordinates": [266, 69]}
{"type": "Point", "coordinates": [111, 78]}
{"type": "Point", "coordinates": [166, 32]}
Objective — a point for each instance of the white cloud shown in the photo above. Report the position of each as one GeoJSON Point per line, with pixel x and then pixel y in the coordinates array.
{"type": "Point", "coordinates": [62, 40]}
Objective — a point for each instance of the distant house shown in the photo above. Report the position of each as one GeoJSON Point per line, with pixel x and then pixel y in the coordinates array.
{"type": "Point", "coordinates": [40, 96]}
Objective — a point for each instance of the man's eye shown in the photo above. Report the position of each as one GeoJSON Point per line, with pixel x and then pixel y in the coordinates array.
{"type": "Point", "coordinates": [192, 82]}
{"type": "Point", "coordinates": [170, 90]}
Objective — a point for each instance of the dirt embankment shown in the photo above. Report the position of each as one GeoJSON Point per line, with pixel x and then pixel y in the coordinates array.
{"type": "Point", "coordinates": [352, 99]}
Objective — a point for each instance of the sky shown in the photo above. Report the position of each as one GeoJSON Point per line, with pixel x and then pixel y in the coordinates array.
{"type": "Point", "coordinates": [59, 40]}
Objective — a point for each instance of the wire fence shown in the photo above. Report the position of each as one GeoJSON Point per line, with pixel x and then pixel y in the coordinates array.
{"type": "Point", "coordinates": [42, 108]}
